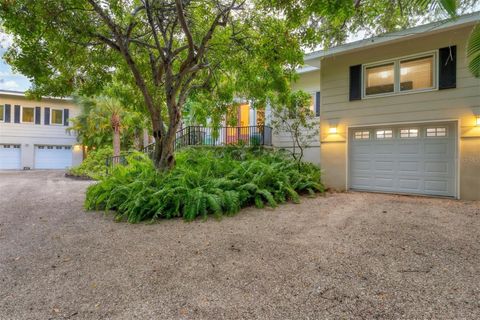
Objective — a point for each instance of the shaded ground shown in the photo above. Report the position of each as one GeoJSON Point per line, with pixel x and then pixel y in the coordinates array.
{"type": "Point", "coordinates": [352, 255]}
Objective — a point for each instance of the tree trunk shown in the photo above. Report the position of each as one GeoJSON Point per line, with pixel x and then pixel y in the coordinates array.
{"type": "Point", "coordinates": [115, 121]}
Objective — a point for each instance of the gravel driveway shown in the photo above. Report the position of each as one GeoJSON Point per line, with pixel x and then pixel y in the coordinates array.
{"type": "Point", "coordinates": [347, 255]}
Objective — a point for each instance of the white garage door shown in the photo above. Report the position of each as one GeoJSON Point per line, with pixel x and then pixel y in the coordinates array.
{"type": "Point", "coordinates": [53, 157]}
{"type": "Point", "coordinates": [413, 159]}
{"type": "Point", "coordinates": [10, 156]}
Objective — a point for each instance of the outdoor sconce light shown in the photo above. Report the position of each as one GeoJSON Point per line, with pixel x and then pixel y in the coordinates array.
{"type": "Point", "coordinates": [333, 124]}
{"type": "Point", "coordinates": [76, 147]}
{"type": "Point", "coordinates": [476, 112]}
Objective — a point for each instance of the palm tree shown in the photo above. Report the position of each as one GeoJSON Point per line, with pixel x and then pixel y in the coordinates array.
{"type": "Point", "coordinates": [104, 121]}
{"type": "Point", "coordinates": [114, 109]}
{"type": "Point", "coordinates": [473, 51]}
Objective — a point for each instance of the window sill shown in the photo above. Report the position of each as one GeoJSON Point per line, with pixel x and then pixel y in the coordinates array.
{"type": "Point", "coordinates": [401, 93]}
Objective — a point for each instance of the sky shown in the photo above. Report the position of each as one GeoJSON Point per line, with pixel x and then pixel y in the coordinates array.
{"type": "Point", "coordinates": [10, 80]}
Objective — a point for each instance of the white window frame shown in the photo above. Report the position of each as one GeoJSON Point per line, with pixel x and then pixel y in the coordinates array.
{"type": "Point", "coordinates": [313, 94]}
{"type": "Point", "coordinates": [361, 138]}
{"type": "Point", "coordinates": [21, 115]}
{"type": "Point", "coordinates": [384, 134]}
{"type": "Point", "coordinates": [3, 113]}
{"type": "Point", "coordinates": [396, 74]}
{"type": "Point", "coordinates": [436, 132]}
{"type": "Point", "coordinates": [51, 117]}
{"type": "Point", "coordinates": [419, 133]}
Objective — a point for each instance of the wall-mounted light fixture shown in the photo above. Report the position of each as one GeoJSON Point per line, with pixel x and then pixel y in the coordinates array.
{"type": "Point", "coordinates": [77, 147]}
{"type": "Point", "coordinates": [332, 126]}
{"type": "Point", "coordinates": [476, 112]}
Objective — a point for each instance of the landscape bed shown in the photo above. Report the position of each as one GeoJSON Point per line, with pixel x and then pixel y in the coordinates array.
{"type": "Point", "coordinates": [217, 181]}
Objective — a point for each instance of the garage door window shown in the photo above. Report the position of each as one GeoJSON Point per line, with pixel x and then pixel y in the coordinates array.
{"type": "Point", "coordinates": [28, 115]}
{"type": "Point", "coordinates": [437, 132]}
{"type": "Point", "coordinates": [384, 134]}
{"type": "Point", "coordinates": [362, 135]}
{"type": "Point", "coordinates": [409, 133]}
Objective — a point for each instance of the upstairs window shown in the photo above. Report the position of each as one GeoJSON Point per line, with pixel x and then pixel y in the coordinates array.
{"type": "Point", "coordinates": [57, 116]}
{"type": "Point", "coordinates": [408, 74]}
{"type": "Point", "coordinates": [28, 115]}
{"type": "Point", "coordinates": [379, 79]}
{"type": "Point", "coordinates": [416, 74]}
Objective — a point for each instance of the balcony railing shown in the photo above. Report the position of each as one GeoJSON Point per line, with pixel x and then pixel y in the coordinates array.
{"type": "Point", "coordinates": [216, 137]}
{"type": "Point", "coordinates": [223, 136]}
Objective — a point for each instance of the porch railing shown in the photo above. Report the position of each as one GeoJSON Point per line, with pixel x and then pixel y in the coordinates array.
{"type": "Point", "coordinates": [206, 136]}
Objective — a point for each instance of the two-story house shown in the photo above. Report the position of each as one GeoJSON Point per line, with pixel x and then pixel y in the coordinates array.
{"type": "Point", "coordinates": [400, 112]}
{"type": "Point", "coordinates": [33, 133]}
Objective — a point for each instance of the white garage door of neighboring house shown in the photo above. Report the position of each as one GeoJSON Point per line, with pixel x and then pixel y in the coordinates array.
{"type": "Point", "coordinates": [53, 157]}
{"type": "Point", "coordinates": [10, 156]}
{"type": "Point", "coordinates": [413, 159]}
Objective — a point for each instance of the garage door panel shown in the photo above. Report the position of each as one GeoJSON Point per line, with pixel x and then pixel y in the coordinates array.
{"type": "Point", "coordinates": [385, 166]}
{"type": "Point", "coordinates": [416, 163]}
{"type": "Point", "coordinates": [362, 182]}
{"type": "Point", "coordinates": [384, 182]}
{"type": "Point", "coordinates": [436, 186]}
{"type": "Point", "coordinates": [381, 149]}
{"type": "Point", "coordinates": [10, 157]}
{"type": "Point", "coordinates": [362, 165]}
{"type": "Point", "coordinates": [408, 149]}
{"type": "Point", "coordinates": [53, 157]}
{"type": "Point", "coordinates": [436, 167]}
{"type": "Point", "coordinates": [406, 167]}
{"type": "Point", "coordinates": [437, 149]}
{"type": "Point", "coordinates": [409, 185]}
{"type": "Point", "coordinates": [362, 150]}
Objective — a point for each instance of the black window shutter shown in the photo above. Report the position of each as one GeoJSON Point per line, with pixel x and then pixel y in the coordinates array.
{"type": "Point", "coordinates": [356, 82]}
{"type": "Point", "coordinates": [447, 67]}
{"type": "Point", "coordinates": [16, 114]}
{"type": "Point", "coordinates": [37, 115]}
{"type": "Point", "coordinates": [7, 113]}
{"type": "Point", "coordinates": [65, 117]}
{"type": "Point", "coordinates": [317, 104]}
{"type": "Point", "coordinates": [47, 116]}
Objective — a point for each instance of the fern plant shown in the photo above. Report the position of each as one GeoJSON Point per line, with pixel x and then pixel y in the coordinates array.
{"type": "Point", "coordinates": [205, 181]}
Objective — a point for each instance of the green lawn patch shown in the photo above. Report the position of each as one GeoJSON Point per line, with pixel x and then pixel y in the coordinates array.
{"type": "Point", "coordinates": [217, 181]}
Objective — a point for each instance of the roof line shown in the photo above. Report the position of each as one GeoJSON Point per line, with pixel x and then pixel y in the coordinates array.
{"type": "Point", "coordinates": [22, 94]}
{"type": "Point", "coordinates": [446, 24]}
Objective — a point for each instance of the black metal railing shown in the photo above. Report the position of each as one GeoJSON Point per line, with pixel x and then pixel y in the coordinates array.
{"type": "Point", "coordinates": [206, 136]}
{"type": "Point", "coordinates": [222, 136]}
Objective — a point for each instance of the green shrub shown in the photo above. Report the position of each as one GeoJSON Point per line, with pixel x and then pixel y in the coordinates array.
{"type": "Point", "coordinates": [94, 165]}
{"type": "Point", "coordinates": [218, 181]}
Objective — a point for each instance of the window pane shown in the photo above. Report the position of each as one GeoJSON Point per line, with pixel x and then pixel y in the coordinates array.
{"type": "Point", "coordinates": [57, 116]}
{"type": "Point", "coordinates": [436, 132]}
{"type": "Point", "coordinates": [384, 134]}
{"type": "Point", "coordinates": [312, 102]}
{"type": "Point", "coordinates": [379, 79]}
{"type": "Point", "coordinates": [416, 74]}
{"type": "Point", "coordinates": [1, 113]}
{"type": "Point", "coordinates": [362, 135]}
{"type": "Point", "coordinates": [409, 133]}
{"type": "Point", "coordinates": [27, 114]}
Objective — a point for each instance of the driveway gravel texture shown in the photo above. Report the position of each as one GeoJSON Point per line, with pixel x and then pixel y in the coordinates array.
{"type": "Point", "coordinates": [338, 256]}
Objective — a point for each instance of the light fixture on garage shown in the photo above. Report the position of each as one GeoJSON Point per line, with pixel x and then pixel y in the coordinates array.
{"type": "Point", "coordinates": [333, 124]}
{"type": "Point", "coordinates": [76, 147]}
{"type": "Point", "coordinates": [476, 112]}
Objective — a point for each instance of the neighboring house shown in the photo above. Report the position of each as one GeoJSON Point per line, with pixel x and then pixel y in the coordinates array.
{"type": "Point", "coordinates": [400, 112]}
{"type": "Point", "coordinates": [33, 133]}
